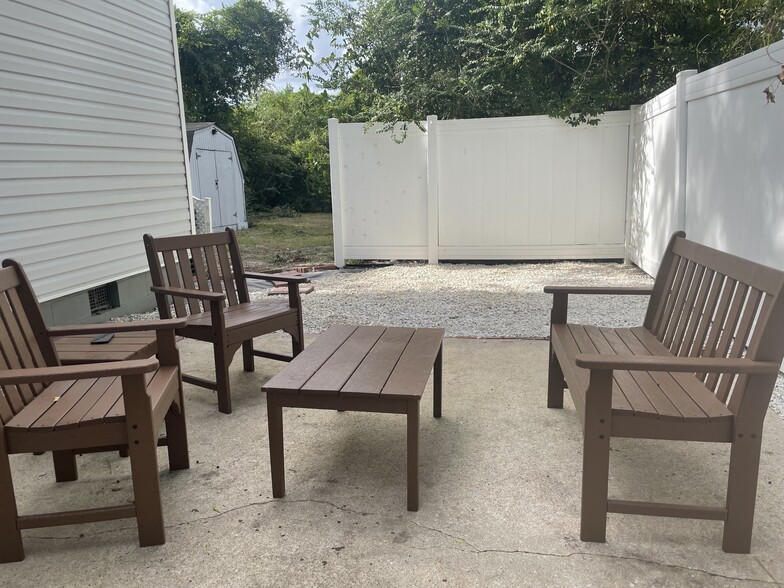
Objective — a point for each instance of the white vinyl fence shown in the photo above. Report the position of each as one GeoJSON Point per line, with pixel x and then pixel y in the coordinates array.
{"type": "Point", "coordinates": [506, 188]}
{"type": "Point", "coordinates": [704, 156]}
{"type": "Point", "coordinates": [707, 158]}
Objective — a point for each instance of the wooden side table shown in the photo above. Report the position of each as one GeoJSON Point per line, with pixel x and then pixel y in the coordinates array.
{"type": "Point", "coordinates": [367, 369]}
{"type": "Point", "coordinates": [75, 349]}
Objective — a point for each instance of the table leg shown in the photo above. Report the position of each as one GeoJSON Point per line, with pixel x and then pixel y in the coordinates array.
{"type": "Point", "coordinates": [437, 371]}
{"type": "Point", "coordinates": [413, 454]}
{"type": "Point", "coordinates": [275, 422]}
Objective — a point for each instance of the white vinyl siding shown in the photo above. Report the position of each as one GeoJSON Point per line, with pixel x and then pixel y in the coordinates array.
{"type": "Point", "coordinates": [91, 139]}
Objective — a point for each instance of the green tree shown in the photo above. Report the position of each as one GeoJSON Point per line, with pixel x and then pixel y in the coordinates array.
{"type": "Point", "coordinates": [473, 58]}
{"type": "Point", "coordinates": [227, 55]}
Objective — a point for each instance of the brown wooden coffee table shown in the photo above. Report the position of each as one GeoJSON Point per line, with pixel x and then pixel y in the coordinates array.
{"type": "Point", "coordinates": [366, 369]}
{"type": "Point", "coordinates": [76, 349]}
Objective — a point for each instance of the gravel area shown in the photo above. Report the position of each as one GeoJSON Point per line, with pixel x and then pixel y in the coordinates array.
{"type": "Point", "coordinates": [470, 300]}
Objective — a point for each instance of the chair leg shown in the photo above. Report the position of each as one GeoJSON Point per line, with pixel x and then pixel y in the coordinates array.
{"type": "Point", "coordinates": [177, 438]}
{"type": "Point", "coordinates": [555, 382]}
{"type": "Point", "coordinates": [596, 457]}
{"type": "Point", "coordinates": [222, 361]}
{"type": "Point", "coordinates": [741, 493]}
{"type": "Point", "coordinates": [11, 548]}
{"type": "Point", "coordinates": [64, 466]}
{"type": "Point", "coordinates": [247, 356]}
{"type": "Point", "coordinates": [142, 447]}
{"type": "Point", "coordinates": [298, 340]}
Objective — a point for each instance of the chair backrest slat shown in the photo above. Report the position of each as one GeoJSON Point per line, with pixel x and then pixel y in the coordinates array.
{"type": "Point", "coordinates": [173, 278]}
{"type": "Point", "coordinates": [212, 266]}
{"type": "Point", "coordinates": [200, 268]}
{"type": "Point", "coordinates": [24, 341]}
{"type": "Point", "coordinates": [184, 257]}
{"type": "Point", "coordinates": [228, 275]}
{"type": "Point", "coordinates": [727, 330]}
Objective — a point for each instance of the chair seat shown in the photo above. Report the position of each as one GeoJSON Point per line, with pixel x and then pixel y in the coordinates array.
{"type": "Point", "coordinates": [678, 397]}
{"type": "Point", "coordinates": [64, 406]}
{"type": "Point", "coordinates": [240, 315]}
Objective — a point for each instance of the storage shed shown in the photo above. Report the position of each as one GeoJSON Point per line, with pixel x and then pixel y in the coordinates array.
{"type": "Point", "coordinates": [216, 174]}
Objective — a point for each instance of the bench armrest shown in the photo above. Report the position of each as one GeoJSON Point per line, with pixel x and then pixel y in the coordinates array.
{"type": "Point", "coordinates": [276, 278]}
{"type": "Point", "coordinates": [161, 325]}
{"type": "Point", "coordinates": [76, 372]}
{"type": "Point", "coordinates": [598, 290]}
{"type": "Point", "coordinates": [189, 293]}
{"type": "Point", "coordinates": [652, 363]}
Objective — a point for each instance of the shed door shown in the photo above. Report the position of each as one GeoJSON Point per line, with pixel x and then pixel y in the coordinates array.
{"type": "Point", "coordinates": [218, 182]}
{"type": "Point", "coordinates": [227, 191]}
{"type": "Point", "coordinates": [208, 183]}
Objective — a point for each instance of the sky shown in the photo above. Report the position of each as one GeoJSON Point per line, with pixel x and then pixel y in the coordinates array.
{"type": "Point", "coordinates": [298, 14]}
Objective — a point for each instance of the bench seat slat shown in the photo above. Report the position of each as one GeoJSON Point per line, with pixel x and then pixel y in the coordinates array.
{"type": "Point", "coordinates": [587, 344]}
{"type": "Point", "coordinates": [702, 396]}
{"type": "Point", "coordinates": [658, 395]}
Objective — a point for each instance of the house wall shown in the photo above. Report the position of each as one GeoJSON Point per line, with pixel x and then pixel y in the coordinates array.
{"type": "Point", "coordinates": [91, 141]}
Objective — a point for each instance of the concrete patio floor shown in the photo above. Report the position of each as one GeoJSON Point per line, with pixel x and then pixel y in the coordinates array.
{"type": "Point", "coordinates": [500, 496]}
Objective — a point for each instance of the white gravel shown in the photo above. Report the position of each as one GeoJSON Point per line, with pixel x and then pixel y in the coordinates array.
{"type": "Point", "coordinates": [471, 300]}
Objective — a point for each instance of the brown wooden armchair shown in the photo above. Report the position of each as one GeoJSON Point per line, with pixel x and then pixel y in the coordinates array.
{"type": "Point", "coordinates": [205, 280]}
{"type": "Point", "coordinates": [45, 406]}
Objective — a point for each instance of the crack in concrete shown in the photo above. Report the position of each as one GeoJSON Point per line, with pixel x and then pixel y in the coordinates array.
{"type": "Point", "coordinates": [471, 547]}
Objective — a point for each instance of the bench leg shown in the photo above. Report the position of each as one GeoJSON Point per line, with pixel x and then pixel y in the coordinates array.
{"type": "Point", "coordinates": [247, 356]}
{"type": "Point", "coordinates": [275, 423]}
{"type": "Point", "coordinates": [741, 493]}
{"type": "Point", "coordinates": [596, 457]}
{"type": "Point", "coordinates": [222, 360]}
{"type": "Point", "coordinates": [11, 548]}
{"type": "Point", "coordinates": [555, 382]}
{"type": "Point", "coordinates": [64, 466]}
{"type": "Point", "coordinates": [437, 374]}
{"type": "Point", "coordinates": [412, 430]}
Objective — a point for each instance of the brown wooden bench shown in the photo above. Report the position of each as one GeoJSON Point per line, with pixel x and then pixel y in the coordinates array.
{"type": "Point", "coordinates": [701, 368]}
{"type": "Point", "coordinates": [45, 406]}
{"type": "Point", "coordinates": [367, 369]}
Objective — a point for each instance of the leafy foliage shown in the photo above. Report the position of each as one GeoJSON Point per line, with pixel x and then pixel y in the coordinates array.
{"type": "Point", "coordinates": [568, 58]}
{"type": "Point", "coordinates": [227, 54]}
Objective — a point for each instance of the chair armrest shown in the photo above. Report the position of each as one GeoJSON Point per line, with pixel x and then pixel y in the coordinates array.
{"type": "Point", "coordinates": [652, 363]}
{"type": "Point", "coordinates": [276, 278]}
{"type": "Point", "coordinates": [161, 325]}
{"type": "Point", "coordinates": [76, 372]}
{"type": "Point", "coordinates": [189, 293]}
{"type": "Point", "coordinates": [598, 290]}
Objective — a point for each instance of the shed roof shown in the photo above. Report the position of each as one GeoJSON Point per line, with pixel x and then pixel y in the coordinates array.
{"type": "Point", "coordinates": [192, 127]}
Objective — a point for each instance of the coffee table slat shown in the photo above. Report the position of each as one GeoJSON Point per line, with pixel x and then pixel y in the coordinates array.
{"type": "Point", "coordinates": [410, 376]}
{"type": "Point", "coordinates": [300, 369]}
{"type": "Point", "coordinates": [337, 370]}
{"type": "Point", "coordinates": [374, 371]}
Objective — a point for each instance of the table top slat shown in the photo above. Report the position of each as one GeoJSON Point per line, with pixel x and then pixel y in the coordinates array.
{"type": "Point", "coordinates": [300, 369]}
{"type": "Point", "coordinates": [374, 371]}
{"type": "Point", "coordinates": [337, 370]}
{"type": "Point", "coordinates": [412, 371]}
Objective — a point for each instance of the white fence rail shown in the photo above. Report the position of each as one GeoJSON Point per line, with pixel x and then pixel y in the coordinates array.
{"type": "Point", "coordinates": [509, 188]}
